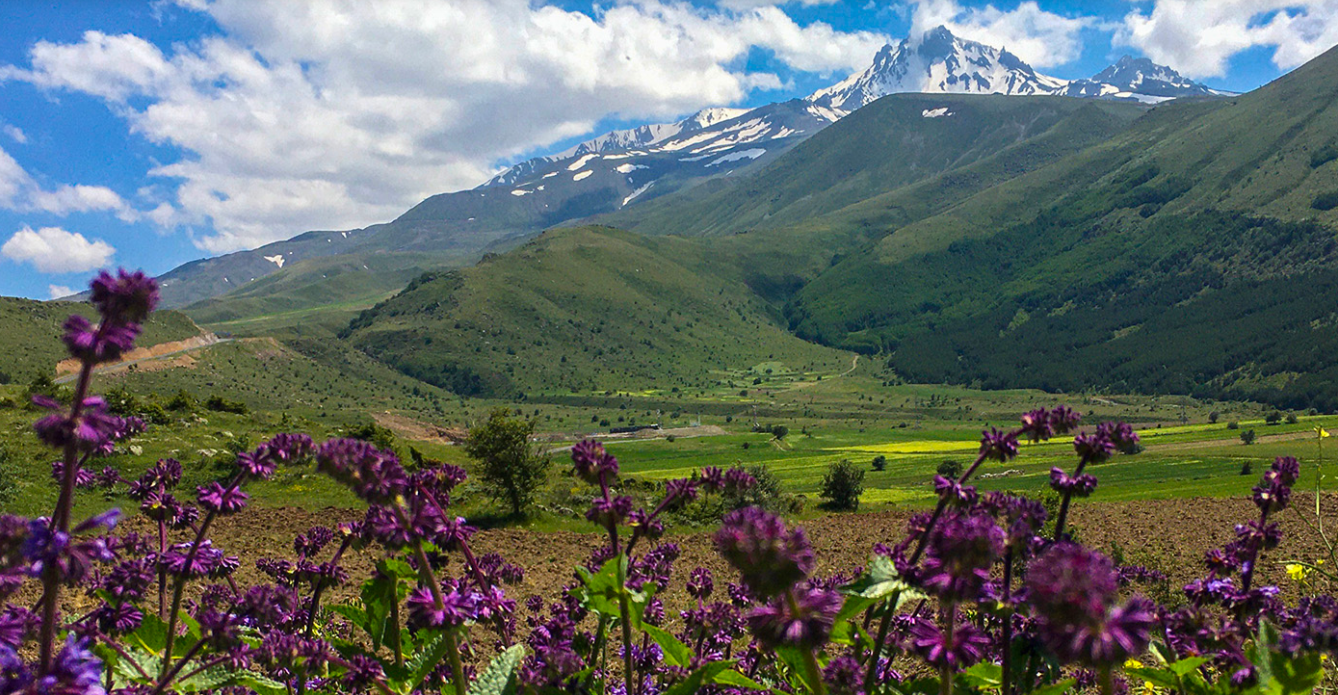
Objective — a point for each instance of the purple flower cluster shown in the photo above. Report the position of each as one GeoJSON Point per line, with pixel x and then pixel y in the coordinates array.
{"type": "Point", "coordinates": [973, 580]}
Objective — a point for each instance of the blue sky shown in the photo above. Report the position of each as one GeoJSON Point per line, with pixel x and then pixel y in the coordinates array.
{"type": "Point", "coordinates": [150, 134]}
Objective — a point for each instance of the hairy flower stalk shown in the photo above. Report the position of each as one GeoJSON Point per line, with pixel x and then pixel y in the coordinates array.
{"type": "Point", "coordinates": [123, 302]}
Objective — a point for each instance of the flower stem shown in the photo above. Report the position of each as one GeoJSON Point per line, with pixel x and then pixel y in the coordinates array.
{"type": "Point", "coordinates": [60, 520]}
{"type": "Point", "coordinates": [810, 655]}
{"type": "Point", "coordinates": [1064, 505]}
{"type": "Point", "coordinates": [1007, 643]}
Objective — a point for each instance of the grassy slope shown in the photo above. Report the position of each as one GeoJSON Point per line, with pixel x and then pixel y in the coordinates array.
{"type": "Point", "coordinates": [312, 294]}
{"type": "Point", "coordinates": [578, 310]}
{"type": "Point", "coordinates": [883, 147]}
{"type": "Point", "coordinates": [30, 334]}
{"type": "Point", "coordinates": [1194, 227]}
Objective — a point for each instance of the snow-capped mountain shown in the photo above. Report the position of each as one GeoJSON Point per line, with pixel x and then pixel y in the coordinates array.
{"type": "Point", "coordinates": [619, 141]}
{"type": "Point", "coordinates": [625, 167]}
{"type": "Point", "coordinates": [935, 62]}
{"type": "Point", "coordinates": [1138, 78]}
{"type": "Point", "coordinates": [938, 61]}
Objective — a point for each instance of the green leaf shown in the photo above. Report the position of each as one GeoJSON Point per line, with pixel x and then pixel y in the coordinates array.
{"type": "Point", "coordinates": [1056, 688]}
{"type": "Point", "coordinates": [1299, 674]}
{"type": "Point", "coordinates": [150, 636]}
{"type": "Point", "coordinates": [379, 596]}
{"type": "Point", "coordinates": [880, 581]}
{"type": "Point", "coordinates": [1163, 677]}
{"type": "Point", "coordinates": [1188, 665]}
{"type": "Point", "coordinates": [208, 680]}
{"type": "Point", "coordinates": [600, 591]}
{"type": "Point", "coordinates": [263, 685]}
{"type": "Point", "coordinates": [702, 676]}
{"type": "Point", "coordinates": [735, 679]}
{"type": "Point", "coordinates": [984, 675]}
{"type": "Point", "coordinates": [500, 676]}
{"type": "Point", "coordinates": [426, 658]}
{"type": "Point", "coordinates": [675, 652]}
{"type": "Point", "coordinates": [354, 614]}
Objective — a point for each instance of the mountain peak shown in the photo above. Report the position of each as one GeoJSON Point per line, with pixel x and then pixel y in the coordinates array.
{"type": "Point", "coordinates": [935, 61]}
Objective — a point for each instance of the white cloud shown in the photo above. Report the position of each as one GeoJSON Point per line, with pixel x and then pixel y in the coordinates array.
{"type": "Point", "coordinates": [18, 191]}
{"type": "Point", "coordinates": [58, 291]}
{"type": "Point", "coordinates": [66, 199]}
{"type": "Point", "coordinates": [750, 4]}
{"type": "Point", "coordinates": [14, 133]}
{"type": "Point", "coordinates": [54, 250]}
{"type": "Point", "coordinates": [1199, 37]}
{"type": "Point", "coordinates": [312, 114]}
{"type": "Point", "coordinates": [1043, 39]}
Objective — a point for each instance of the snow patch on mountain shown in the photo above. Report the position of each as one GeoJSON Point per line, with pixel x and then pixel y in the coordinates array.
{"type": "Point", "coordinates": [737, 156]}
{"type": "Point", "coordinates": [936, 113]}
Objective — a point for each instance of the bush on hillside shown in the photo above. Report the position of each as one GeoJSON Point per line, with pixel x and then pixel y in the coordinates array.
{"type": "Point", "coordinates": [508, 464]}
{"type": "Point", "coordinates": [842, 486]}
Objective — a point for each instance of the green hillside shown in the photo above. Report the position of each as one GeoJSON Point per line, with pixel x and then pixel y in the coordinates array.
{"type": "Point", "coordinates": [1194, 252]}
{"type": "Point", "coordinates": [886, 146]}
{"type": "Point", "coordinates": [581, 310]}
{"type": "Point", "coordinates": [30, 335]}
{"type": "Point", "coordinates": [312, 296]}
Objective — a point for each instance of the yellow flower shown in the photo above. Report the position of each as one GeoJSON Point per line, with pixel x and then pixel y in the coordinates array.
{"type": "Point", "coordinates": [1298, 573]}
{"type": "Point", "coordinates": [1133, 663]}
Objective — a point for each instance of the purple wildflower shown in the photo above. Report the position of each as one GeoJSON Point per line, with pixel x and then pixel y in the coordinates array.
{"type": "Point", "coordinates": [804, 621]}
{"type": "Point", "coordinates": [769, 557]}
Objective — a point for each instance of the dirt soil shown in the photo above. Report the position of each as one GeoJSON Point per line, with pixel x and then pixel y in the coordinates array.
{"type": "Point", "coordinates": [139, 354]}
{"type": "Point", "coordinates": [1169, 536]}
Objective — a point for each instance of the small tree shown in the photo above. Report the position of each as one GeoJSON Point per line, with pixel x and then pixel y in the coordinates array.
{"type": "Point", "coordinates": [843, 485]}
{"type": "Point", "coordinates": [950, 469]}
{"type": "Point", "coordinates": [1291, 418]}
{"type": "Point", "coordinates": [780, 431]}
{"type": "Point", "coordinates": [1273, 418]}
{"type": "Point", "coordinates": [1247, 437]}
{"type": "Point", "coordinates": [880, 463]}
{"type": "Point", "coordinates": [509, 466]}
{"type": "Point", "coordinates": [1212, 417]}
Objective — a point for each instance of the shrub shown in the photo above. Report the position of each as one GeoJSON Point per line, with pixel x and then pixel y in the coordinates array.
{"type": "Point", "coordinates": [1323, 155]}
{"type": "Point", "coordinates": [1233, 425]}
{"type": "Point", "coordinates": [780, 431]}
{"type": "Point", "coordinates": [121, 402]}
{"type": "Point", "coordinates": [1246, 468]}
{"type": "Point", "coordinates": [508, 464]}
{"type": "Point", "coordinates": [880, 463]}
{"type": "Point", "coordinates": [1247, 437]}
{"type": "Point", "coordinates": [1273, 418]}
{"type": "Point", "coordinates": [220, 404]}
{"type": "Point", "coordinates": [843, 485]}
{"type": "Point", "coordinates": [949, 469]}
{"type": "Point", "coordinates": [374, 434]}
{"type": "Point", "coordinates": [183, 402]}
{"type": "Point", "coordinates": [1325, 201]}
{"type": "Point", "coordinates": [1212, 417]}
{"type": "Point", "coordinates": [1291, 419]}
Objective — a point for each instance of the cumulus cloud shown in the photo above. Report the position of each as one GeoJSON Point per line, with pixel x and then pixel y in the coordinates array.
{"type": "Point", "coordinates": [54, 250]}
{"type": "Point", "coordinates": [18, 191]}
{"type": "Point", "coordinates": [1199, 37]}
{"type": "Point", "coordinates": [1043, 39]}
{"type": "Point", "coordinates": [66, 199]}
{"type": "Point", "coordinates": [58, 291]}
{"type": "Point", "coordinates": [336, 114]}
